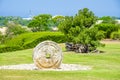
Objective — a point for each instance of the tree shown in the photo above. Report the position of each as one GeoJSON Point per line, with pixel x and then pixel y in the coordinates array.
{"type": "Point", "coordinates": [57, 20]}
{"type": "Point", "coordinates": [80, 31]}
{"type": "Point", "coordinates": [16, 19]}
{"type": "Point", "coordinates": [84, 18]}
{"type": "Point", "coordinates": [108, 19]}
{"type": "Point", "coordinates": [41, 22]}
{"type": "Point", "coordinates": [66, 25]}
{"type": "Point", "coordinates": [14, 29]}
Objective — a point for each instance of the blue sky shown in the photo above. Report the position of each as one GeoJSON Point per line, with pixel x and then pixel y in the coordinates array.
{"type": "Point", "coordinates": [25, 8]}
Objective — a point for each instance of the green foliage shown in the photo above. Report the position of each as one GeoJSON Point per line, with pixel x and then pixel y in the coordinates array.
{"type": "Point", "coordinates": [14, 29]}
{"type": "Point", "coordinates": [57, 20]}
{"type": "Point", "coordinates": [107, 28]}
{"type": "Point", "coordinates": [79, 29]}
{"type": "Point", "coordinates": [9, 48]}
{"type": "Point", "coordinates": [108, 19]}
{"type": "Point", "coordinates": [53, 36]}
{"type": "Point", "coordinates": [84, 18]}
{"type": "Point", "coordinates": [74, 25]}
{"type": "Point", "coordinates": [115, 35]}
{"type": "Point", "coordinates": [5, 19]}
{"type": "Point", "coordinates": [66, 25]}
{"type": "Point", "coordinates": [41, 22]}
{"type": "Point", "coordinates": [30, 40]}
{"type": "Point", "coordinates": [1, 37]}
{"type": "Point", "coordinates": [90, 37]}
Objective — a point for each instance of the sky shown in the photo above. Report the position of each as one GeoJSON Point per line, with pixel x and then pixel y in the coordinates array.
{"type": "Point", "coordinates": [27, 8]}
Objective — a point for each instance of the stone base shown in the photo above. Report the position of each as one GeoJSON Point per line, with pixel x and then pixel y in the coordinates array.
{"type": "Point", "coordinates": [63, 67]}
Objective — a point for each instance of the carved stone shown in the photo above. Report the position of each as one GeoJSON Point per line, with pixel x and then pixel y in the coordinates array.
{"type": "Point", "coordinates": [47, 54]}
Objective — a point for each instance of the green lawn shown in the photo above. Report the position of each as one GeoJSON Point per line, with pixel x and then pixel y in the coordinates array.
{"type": "Point", "coordinates": [105, 66]}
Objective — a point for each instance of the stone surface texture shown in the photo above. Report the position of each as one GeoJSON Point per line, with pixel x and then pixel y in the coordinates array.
{"type": "Point", "coordinates": [47, 54]}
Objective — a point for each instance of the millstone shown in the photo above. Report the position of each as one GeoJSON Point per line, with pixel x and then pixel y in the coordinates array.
{"type": "Point", "coordinates": [47, 54]}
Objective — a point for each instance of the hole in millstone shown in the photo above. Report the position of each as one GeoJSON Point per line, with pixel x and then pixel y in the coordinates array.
{"type": "Point", "coordinates": [48, 55]}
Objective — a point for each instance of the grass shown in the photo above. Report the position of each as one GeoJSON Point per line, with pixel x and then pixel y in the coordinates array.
{"type": "Point", "coordinates": [106, 66]}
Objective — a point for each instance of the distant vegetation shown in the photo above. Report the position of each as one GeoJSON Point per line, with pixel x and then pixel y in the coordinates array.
{"type": "Point", "coordinates": [30, 40]}
{"type": "Point", "coordinates": [110, 27]}
{"type": "Point", "coordinates": [80, 29]}
{"type": "Point", "coordinates": [44, 22]}
{"type": "Point", "coordinates": [16, 19]}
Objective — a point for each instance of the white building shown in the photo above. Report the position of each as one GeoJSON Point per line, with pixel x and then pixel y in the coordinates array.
{"type": "Point", "coordinates": [27, 18]}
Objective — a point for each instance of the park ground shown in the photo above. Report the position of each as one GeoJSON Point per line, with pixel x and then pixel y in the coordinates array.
{"type": "Point", "coordinates": [105, 66]}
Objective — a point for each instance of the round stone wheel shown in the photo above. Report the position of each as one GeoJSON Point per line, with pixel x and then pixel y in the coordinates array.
{"type": "Point", "coordinates": [47, 54]}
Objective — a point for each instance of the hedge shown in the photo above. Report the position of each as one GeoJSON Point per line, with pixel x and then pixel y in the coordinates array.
{"type": "Point", "coordinates": [107, 28]}
{"type": "Point", "coordinates": [115, 35]}
{"type": "Point", "coordinates": [9, 48]}
{"type": "Point", "coordinates": [30, 40]}
{"type": "Point", "coordinates": [56, 38]}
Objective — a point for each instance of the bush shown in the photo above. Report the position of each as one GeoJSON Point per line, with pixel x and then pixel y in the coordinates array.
{"type": "Point", "coordinates": [107, 28]}
{"type": "Point", "coordinates": [30, 40]}
{"type": "Point", "coordinates": [9, 48]}
{"type": "Point", "coordinates": [57, 37]}
{"type": "Point", "coordinates": [14, 29]}
{"type": "Point", "coordinates": [115, 35]}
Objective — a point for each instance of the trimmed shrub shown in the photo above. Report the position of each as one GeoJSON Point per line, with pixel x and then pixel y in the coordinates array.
{"type": "Point", "coordinates": [115, 35]}
{"type": "Point", "coordinates": [30, 40]}
{"type": "Point", "coordinates": [107, 28]}
{"type": "Point", "coordinates": [59, 38]}
{"type": "Point", "coordinates": [9, 48]}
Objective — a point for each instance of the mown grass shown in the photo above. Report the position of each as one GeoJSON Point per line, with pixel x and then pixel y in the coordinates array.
{"type": "Point", "coordinates": [105, 66]}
